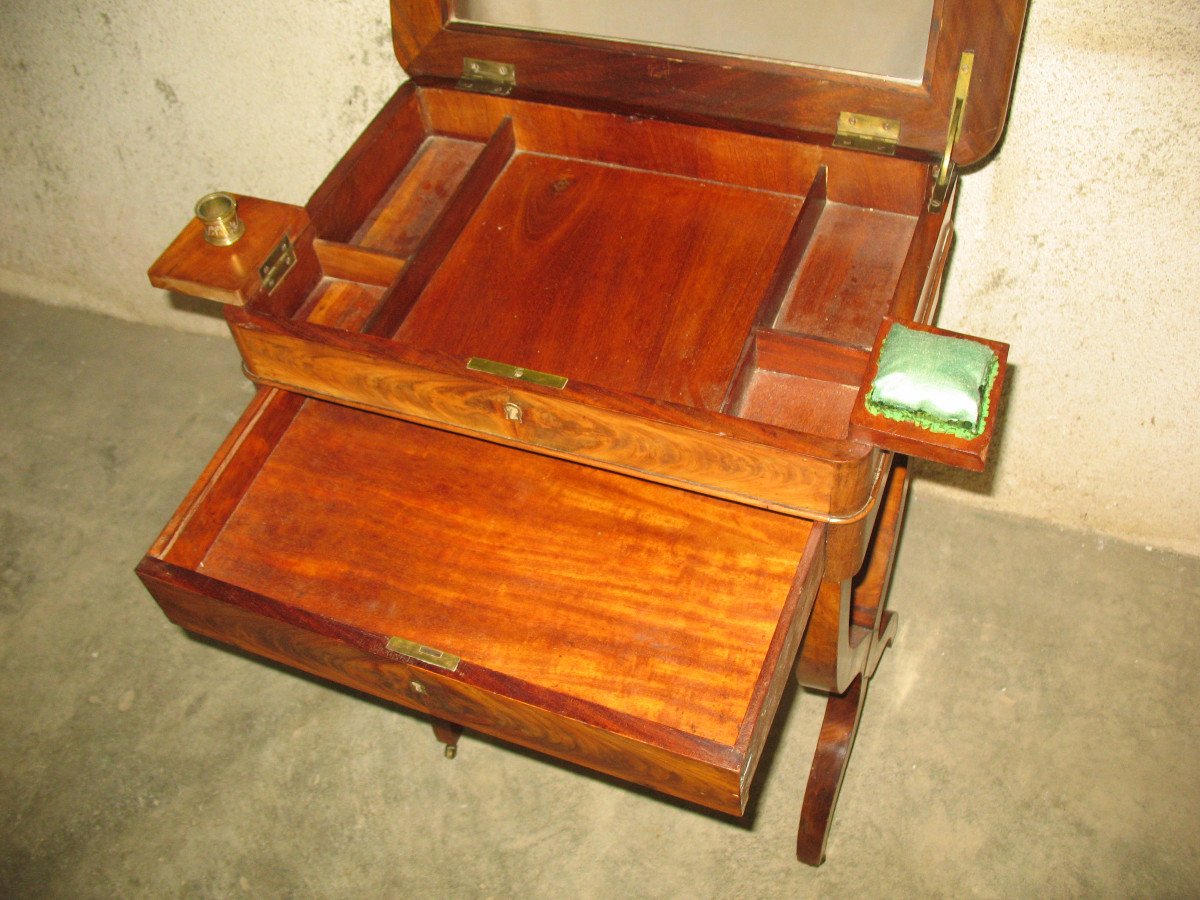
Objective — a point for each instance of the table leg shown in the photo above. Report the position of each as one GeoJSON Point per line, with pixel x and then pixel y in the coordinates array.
{"type": "Point", "coordinates": [448, 733]}
{"type": "Point", "coordinates": [838, 730]}
{"type": "Point", "coordinates": [847, 635]}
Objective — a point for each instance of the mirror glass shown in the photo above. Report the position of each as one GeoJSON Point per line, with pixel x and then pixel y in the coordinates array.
{"type": "Point", "coordinates": [875, 37]}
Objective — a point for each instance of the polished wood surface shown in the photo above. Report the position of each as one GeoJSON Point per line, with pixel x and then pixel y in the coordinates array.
{"type": "Point", "coordinates": [444, 230]}
{"type": "Point", "coordinates": [191, 265]}
{"type": "Point", "coordinates": [848, 277]}
{"type": "Point", "coordinates": [674, 617]}
{"type": "Point", "coordinates": [588, 569]}
{"type": "Point", "coordinates": [739, 93]}
{"type": "Point", "coordinates": [628, 280]}
{"type": "Point", "coordinates": [791, 472]}
{"type": "Point", "coordinates": [677, 764]}
{"type": "Point", "coordinates": [420, 192]}
{"type": "Point", "coordinates": [708, 154]}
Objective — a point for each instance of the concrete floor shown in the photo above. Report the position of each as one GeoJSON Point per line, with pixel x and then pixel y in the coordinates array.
{"type": "Point", "coordinates": [1032, 733]}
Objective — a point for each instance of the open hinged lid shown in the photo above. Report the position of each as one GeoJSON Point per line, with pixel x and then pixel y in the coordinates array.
{"type": "Point", "coordinates": [798, 67]}
{"type": "Point", "coordinates": [662, 262]}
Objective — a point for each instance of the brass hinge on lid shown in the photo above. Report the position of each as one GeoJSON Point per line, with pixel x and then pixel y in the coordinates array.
{"type": "Point", "coordinates": [485, 76]}
{"type": "Point", "coordinates": [278, 264]}
{"type": "Point", "coordinates": [946, 170]}
{"type": "Point", "coordinates": [872, 133]}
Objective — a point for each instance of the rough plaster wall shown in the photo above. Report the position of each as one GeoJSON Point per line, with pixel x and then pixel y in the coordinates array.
{"type": "Point", "coordinates": [115, 116]}
{"type": "Point", "coordinates": [1077, 241]}
{"type": "Point", "coordinates": [1078, 246]}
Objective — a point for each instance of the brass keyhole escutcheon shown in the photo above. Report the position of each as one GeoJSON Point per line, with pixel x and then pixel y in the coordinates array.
{"type": "Point", "coordinates": [513, 412]}
{"type": "Point", "coordinates": [417, 688]}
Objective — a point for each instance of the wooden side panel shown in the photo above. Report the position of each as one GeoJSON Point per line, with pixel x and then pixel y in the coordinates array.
{"type": "Point", "coordinates": [356, 264]}
{"type": "Point", "coordinates": [848, 277]}
{"type": "Point", "coordinates": [420, 192]}
{"type": "Point", "coordinates": [710, 154]}
{"type": "Point", "coordinates": [438, 241]}
{"type": "Point", "coordinates": [202, 515]}
{"type": "Point", "coordinates": [690, 770]}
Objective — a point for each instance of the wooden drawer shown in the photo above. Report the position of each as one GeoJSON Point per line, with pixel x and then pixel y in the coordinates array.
{"type": "Point", "coordinates": [633, 628]}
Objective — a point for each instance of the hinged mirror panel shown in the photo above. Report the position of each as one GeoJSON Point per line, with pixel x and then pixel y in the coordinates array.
{"type": "Point", "coordinates": [887, 38]}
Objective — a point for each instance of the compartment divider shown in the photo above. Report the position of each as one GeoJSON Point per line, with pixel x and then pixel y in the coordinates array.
{"type": "Point", "coordinates": [786, 271]}
{"type": "Point", "coordinates": [923, 265]}
{"type": "Point", "coordinates": [795, 248]}
{"type": "Point", "coordinates": [360, 264]}
{"type": "Point", "coordinates": [444, 232]}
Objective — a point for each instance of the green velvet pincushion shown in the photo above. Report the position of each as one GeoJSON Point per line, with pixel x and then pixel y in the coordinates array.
{"type": "Point", "coordinates": [938, 382]}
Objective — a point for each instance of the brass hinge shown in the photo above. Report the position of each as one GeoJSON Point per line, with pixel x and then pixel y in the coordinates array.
{"type": "Point", "coordinates": [945, 171]}
{"type": "Point", "coordinates": [434, 657]}
{"type": "Point", "coordinates": [485, 76]}
{"type": "Point", "coordinates": [873, 133]}
{"type": "Point", "coordinates": [278, 264]}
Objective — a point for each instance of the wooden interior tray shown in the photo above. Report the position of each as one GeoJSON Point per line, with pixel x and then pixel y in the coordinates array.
{"type": "Point", "coordinates": [623, 625]}
{"type": "Point", "coordinates": [708, 298]}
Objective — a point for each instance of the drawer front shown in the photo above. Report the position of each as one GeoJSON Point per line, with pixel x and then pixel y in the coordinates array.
{"type": "Point", "coordinates": [684, 767]}
{"type": "Point", "coordinates": [571, 426]}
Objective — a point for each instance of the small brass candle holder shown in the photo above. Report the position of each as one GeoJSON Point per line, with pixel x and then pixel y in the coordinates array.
{"type": "Point", "coordinates": [218, 213]}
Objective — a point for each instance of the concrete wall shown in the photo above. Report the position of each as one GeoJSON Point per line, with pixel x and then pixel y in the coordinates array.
{"type": "Point", "coordinates": [1077, 240]}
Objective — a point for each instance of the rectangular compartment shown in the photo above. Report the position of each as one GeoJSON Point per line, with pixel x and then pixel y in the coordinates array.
{"type": "Point", "coordinates": [637, 260]}
{"type": "Point", "coordinates": [632, 628]}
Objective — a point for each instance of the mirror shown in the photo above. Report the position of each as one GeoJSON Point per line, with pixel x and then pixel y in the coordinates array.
{"type": "Point", "coordinates": [875, 37]}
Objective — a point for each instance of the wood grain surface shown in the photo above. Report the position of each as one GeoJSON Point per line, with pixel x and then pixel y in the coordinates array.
{"type": "Point", "coordinates": [735, 458]}
{"type": "Point", "coordinates": [632, 281]}
{"type": "Point", "coordinates": [639, 630]}
{"type": "Point", "coordinates": [610, 589]}
{"type": "Point", "coordinates": [709, 154]}
{"type": "Point", "coordinates": [414, 201]}
{"type": "Point", "coordinates": [677, 764]}
{"type": "Point", "coordinates": [848, 277]}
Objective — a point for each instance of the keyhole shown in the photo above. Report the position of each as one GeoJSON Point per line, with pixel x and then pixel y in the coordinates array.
{"type": "Point", "coordinates": [512, 412]}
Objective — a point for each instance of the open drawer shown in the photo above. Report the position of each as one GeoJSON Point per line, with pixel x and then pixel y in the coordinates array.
{"type": "Point", "coordinates": [635, 629]}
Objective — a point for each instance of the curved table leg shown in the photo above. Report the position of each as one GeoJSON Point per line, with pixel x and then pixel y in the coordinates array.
{"type": "Point", "coordinates": [838, 730]}
{"type": "Point", "coordinates": [853, 630]}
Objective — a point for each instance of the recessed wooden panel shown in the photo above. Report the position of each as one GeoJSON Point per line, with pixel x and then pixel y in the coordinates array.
{"type": "Point", "coordinates": [629, 280]}
{"type": "Point", "coordinates": [847, 279]}
{"type": "Point", "coordinates": [419, 193]}
{"type": "Point", "coordinates": [794, 401]}
{"type": "Point", "coordinates": [342, 304]}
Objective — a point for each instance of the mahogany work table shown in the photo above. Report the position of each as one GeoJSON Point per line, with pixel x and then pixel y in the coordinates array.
{"type": "Point", "coordinates": [560, 433]}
